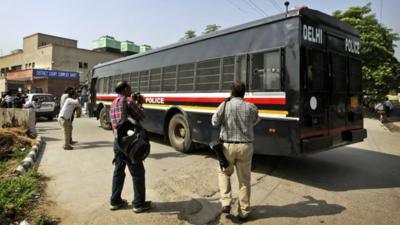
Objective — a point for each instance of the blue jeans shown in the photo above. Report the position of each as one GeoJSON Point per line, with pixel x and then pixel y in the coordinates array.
{"type": "Point", "coordinates": [137, 171]}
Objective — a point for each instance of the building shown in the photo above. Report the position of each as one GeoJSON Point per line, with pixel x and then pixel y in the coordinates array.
{"type": "Point", "coordinates": [52, 53]}
{"type": "Point", "coordinates": [110, 44]}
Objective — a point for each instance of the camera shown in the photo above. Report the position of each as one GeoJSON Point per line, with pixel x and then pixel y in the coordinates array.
{"type": "Point", "coordinates": [136, 96]}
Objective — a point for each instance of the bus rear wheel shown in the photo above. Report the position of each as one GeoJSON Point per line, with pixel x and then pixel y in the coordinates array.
{"type": "Point", "coordinates": [104, 121]}
{"type": "Point", "coordinates": [179, 134]}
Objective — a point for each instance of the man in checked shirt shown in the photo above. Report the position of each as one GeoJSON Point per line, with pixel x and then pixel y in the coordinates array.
{"type": "Point", "coordinates": [237, 135]}
{"type": "Point", "coordinates": [123, 107]}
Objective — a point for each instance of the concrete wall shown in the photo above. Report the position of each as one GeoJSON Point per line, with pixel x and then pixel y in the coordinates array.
{"type": "Point", "coordinates": [3, 85]}
{"type": "Point", "coordinates": [68, 59]}
{"type": "Point", "coordinates": [18, 118]}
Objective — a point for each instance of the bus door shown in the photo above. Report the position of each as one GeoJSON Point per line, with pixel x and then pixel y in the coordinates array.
{"type": "Point", "coordinates": [338, 96]}
{"type": "Point", "coordinates": [315, 96]}
{"type": "Point", "coordinates": [354, 115]}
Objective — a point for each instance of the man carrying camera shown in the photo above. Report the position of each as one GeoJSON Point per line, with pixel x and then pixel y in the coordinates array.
{"type": "Point", "coordinates": [237, 135]}
{"type": "Point", "coordinates": [122, 108]}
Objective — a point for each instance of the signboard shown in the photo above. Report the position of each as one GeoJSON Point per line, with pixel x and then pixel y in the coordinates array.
{"type": "Point", "coordinates": [55, 74]}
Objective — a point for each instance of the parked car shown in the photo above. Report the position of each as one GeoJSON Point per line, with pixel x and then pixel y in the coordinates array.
{"type": "Point", "coordinates": [43, 104]}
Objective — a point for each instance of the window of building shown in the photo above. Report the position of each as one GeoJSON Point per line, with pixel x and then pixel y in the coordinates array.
{"type": "Point", "coordinates": [85, 65]}
{"type": "Point", "coordinates": [80, 64]}
{"type": "Point", "coordinates": [33, 65]}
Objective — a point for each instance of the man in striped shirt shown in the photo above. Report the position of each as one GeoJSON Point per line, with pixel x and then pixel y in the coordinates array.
{"type": "Point", "coordinates": [237, 135]}
{"type": "Point", "coordinates": [122, 108]}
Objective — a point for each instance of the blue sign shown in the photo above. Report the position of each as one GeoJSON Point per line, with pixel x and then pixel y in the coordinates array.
{"type": "Point", "coordinates": [56, 74]}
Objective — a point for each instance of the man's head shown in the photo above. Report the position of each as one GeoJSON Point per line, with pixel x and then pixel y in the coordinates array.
{"type": "Point", "coordinates": [238, 89]}
{"type": "Point", "coordinates": [123, 88]}
{"type": "Point", "coordinates": [68, 89]}
{"type": "Point", "coordinates": [71, 93]}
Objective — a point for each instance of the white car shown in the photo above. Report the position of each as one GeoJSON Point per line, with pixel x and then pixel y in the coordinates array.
{"type": "Point", "coordinates": [43, 104]}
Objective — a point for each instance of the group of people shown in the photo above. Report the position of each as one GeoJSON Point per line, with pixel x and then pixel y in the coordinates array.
{"type": "Point", "coordinates": [383, 109]}
{"type": "Point", "coordinates": [236, 131]}
{"type": "Point", "coordinates": [9, 100]}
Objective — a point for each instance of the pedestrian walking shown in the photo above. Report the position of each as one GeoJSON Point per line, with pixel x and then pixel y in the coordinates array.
{"type": "Point", "coordinates": [65, 118]}
{"type": "Point", "coordinates": [237, 135]}
{"type": "Point", "coordinates": [122, 108]}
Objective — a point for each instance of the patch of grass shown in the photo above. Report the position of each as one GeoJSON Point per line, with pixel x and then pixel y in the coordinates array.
{"type": "Point", "coordinates": [15, 193]}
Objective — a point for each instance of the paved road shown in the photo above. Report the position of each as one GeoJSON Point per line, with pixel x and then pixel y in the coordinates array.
{"type": "Point", "coordinates": [357, 184]}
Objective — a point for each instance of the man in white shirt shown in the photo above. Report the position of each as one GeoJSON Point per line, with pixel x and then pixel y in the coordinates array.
{"type": "Point", "coordinates": [65, 118]}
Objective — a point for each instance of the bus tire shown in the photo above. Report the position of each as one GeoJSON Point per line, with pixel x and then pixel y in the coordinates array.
{"type": "Point", "coordinates": [104, 121]}
{"type": "Point", "coordinates": [179, 133]}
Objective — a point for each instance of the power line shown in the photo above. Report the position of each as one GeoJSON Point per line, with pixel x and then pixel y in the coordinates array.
{"type": "Point", "coordinates": [276, 5]}
{"type": "Point", "coordinates": [253, 7]}
{"type": "Point", "coordinates": [256, 6]}
{"type": "Point", "coordinates": [238, 7]}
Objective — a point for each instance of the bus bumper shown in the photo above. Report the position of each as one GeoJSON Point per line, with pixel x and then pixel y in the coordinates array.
{"type": "Point", "coordinates": [316, 144]}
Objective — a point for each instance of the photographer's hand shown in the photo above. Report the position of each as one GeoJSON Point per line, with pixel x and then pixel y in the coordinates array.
{"type": "Point", "coordinates": [141, 100]}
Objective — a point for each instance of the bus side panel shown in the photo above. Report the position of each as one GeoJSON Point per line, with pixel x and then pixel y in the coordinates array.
{"type": "Point", "coordinates": [276, 137]}
{"type": "Point", "coordinates": [154, 121]}
{"type": "Point", "coordinates": [201, 127]}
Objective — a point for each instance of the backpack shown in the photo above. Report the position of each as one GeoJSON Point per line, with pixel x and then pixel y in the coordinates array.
{"type": "Point", "coordinates": [134, 141]}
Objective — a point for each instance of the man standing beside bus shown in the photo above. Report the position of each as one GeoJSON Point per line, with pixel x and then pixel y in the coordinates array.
{"type": "Point", "coordinates": [237, 135]}
{"type": "Point", "coordinates": [121, 108]}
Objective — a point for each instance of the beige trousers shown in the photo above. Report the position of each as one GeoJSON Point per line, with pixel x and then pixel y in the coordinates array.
{"type": "Point", "coordinates": [67, 126]}
{"type": "Point", "coordinates": [239, 157]}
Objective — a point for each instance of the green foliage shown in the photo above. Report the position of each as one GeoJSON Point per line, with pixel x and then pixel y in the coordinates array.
{"type": "Point", "coordinates": [380, 68]}
{"type": "Point", "coordinates": [189, 34]}
{"type": "Point", "coordinates": [211, 28]}
{"type": "Point", "coordinates": [15, 192]}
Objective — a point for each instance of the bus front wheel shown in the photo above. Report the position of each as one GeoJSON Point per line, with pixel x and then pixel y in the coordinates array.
{"type": "Point", "coordinates": [104, 121]}
{"type": "Point", "coordinates": [179, 133]}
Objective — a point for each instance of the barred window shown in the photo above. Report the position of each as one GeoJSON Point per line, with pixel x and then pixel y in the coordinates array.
{"type": "Point", "coordinates": [134, 81]}
{"type": "Point", "coordinates": [186, 77]}
{"type": "Point", "coordinates": [169, 79]}
{"type": "Point", "coordinates": [228, 71]}
{"type": "Point", "coordinates": [207, 77]}
{"type": "Point", "coordinates": [144, 81]}
{"type": "Point", "coordinates": [155, 80]}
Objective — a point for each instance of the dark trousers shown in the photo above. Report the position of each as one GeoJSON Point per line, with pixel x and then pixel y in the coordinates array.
{"type": "Point", "coordinates": [137, 171]}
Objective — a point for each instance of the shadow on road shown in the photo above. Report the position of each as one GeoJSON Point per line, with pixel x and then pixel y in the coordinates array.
{"type": "Point", "coordinates": [342, 169]}
{"type": "Point", "coordinates": [93, 145]}
{"type": "Point", "coordinates": [309, 207]}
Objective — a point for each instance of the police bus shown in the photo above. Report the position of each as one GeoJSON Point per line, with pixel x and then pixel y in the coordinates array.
{"type": "Point", "coordinates": [302, 69]}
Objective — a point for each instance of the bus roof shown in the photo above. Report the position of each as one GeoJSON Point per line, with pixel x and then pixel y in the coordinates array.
{"type": "Point", "coordinates": [303, 12]}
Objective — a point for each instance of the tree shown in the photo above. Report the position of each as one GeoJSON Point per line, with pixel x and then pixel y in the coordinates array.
{"type": "Point", "coordinates": [211, 28]}
{"type": "Point", "coordinates": [189, 34]}
{"type": "Point", "coordinates": [380, 67]}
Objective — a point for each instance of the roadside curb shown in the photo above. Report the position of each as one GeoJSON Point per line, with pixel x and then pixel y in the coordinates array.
{"type": "Point", "coordinates": [32, 156]}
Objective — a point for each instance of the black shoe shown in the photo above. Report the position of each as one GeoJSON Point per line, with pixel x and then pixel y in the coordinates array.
{"type": "Point", "coordinates": [73, 142]}
{"type": "Point", "coordinates": [243, 219]}
{"type": "Point", "coordinates": [122, 204]}
{"type": "Point", "coordinates": [144, 207]}
{"type": "Point", "coordinates": [68, 148]}
{"type": "Point", "coordinates": [226, 209]}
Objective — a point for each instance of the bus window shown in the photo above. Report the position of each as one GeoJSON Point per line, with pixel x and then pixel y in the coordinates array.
{"type": "Point", "coordinates": [155, 80]}
{"type": "Point", "coordinates": [339, 73]}
{"type": "Point", "coordinates": [241, 68]}
{"type": "Point", "coordinates": [266, 68]}
{"type": "Point", "coordinates": [169, 79]}
{"type": "Point", "coordinates": [185, 77]}
{"type": "Point", "coordinates": [316, 80]}
{"type": "Point", "coordinates": [134, 81]}
{"type": "Point", "coordinates": [228, 70]}
{"type": "Point", "coordinates": [355, 75]}
{"type": "Point", "coordinates": [144, 81]}
{"type": "Point", "coordinates": [207, 77]}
